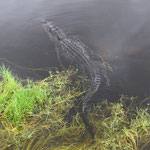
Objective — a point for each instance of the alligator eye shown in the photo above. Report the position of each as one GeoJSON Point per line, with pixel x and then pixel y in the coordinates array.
{"type": "Point", "coordinates": [55, 29]}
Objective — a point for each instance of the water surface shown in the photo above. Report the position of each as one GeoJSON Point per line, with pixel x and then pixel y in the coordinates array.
{"type": "Point", "coordinates": [119, 30]}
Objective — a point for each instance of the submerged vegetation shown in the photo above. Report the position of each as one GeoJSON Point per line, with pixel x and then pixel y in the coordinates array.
{"type": "Point", "coordinates": [35, 115]}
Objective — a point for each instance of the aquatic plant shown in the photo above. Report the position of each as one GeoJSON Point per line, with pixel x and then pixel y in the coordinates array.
{"type": "Point", "coordinates": [119, 128]}
{"type": "Point", "coordinates": [43, 115]}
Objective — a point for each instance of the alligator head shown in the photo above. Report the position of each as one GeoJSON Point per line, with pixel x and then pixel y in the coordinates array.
{"type": "Point", "coordinates": [52, 30]}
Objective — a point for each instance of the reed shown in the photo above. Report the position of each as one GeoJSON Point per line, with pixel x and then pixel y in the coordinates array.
{"type": "Point", "coordinates": [36, 115]}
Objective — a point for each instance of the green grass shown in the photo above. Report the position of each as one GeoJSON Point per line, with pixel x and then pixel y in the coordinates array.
{"type": "Point", "coordinates": [116, 130]}
{"type": "Point", "coordinates": [33, 116]}
{"type": "Point", "coordinates": [17, 100]}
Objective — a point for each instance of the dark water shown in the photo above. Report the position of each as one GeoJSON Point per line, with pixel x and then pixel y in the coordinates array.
{"type": "Point", "coordinates": [119, 30]}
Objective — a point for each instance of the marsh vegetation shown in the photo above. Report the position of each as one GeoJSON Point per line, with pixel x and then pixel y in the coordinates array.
{"type": "Point", "coordinates": [34, 115]}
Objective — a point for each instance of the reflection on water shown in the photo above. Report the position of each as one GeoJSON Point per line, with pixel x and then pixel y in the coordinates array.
{"type": "Point", "coordinates": [118, 30]}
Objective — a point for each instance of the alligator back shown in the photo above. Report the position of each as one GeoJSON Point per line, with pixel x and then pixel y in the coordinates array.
{"type": "Point", "coordinates": [76, 51]}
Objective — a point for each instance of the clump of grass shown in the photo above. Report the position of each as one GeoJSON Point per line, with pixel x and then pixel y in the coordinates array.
{"type": "Point", "coordinates": [17, 100]}
{"type": "Point", "coordinates": [118, 128]}
{"type": "Point", "coordinates": [33, 116]}
{"type": "Point", "coordinates": [27, 110]}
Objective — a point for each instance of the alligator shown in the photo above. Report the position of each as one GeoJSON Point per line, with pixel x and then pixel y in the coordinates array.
{"type": "Point", "coordinates": [76, 51]}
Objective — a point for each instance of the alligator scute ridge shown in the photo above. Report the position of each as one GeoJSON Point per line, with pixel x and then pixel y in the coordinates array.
{"type": "Point", "coordinates": [77, 50]}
